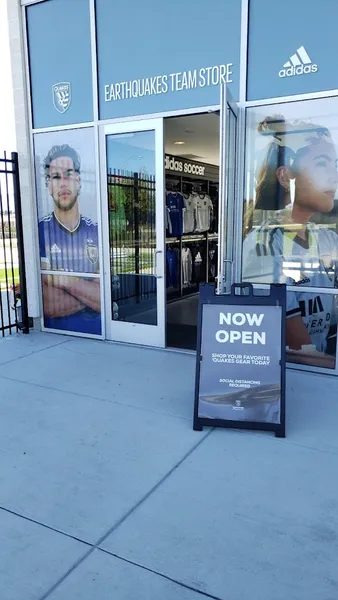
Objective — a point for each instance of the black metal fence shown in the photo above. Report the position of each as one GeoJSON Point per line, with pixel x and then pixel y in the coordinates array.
{"type": "Point", "coordinates": [132, 235]}
{"type": "Point", "coordinates": [13, 290]}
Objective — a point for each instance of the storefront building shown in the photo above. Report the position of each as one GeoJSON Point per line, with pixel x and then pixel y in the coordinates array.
{"type": "Point", "coordinates": [165, 145]}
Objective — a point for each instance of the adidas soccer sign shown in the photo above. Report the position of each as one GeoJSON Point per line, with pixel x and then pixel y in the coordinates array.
{"type": "Point", "coordinates": [299, 64]}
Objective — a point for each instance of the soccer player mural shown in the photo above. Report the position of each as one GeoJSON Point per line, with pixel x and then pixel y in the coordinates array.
{"type": "Point", "coordinates": [68, 231]}
{"type": "Point", "coordinates": [292, 234]}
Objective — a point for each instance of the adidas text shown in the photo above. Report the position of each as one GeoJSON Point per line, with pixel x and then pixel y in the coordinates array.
{"type": "Point", "coordinates": [301, 70]}
{"type": "Point", "coordinates": [298, 64]}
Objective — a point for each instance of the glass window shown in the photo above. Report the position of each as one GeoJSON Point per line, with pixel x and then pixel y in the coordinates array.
{"type": "Point", "coordinates": [132, 226]}
{"type": "Point", "coordinates": [290, 227]}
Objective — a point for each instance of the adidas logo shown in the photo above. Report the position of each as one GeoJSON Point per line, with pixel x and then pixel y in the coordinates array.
{"type": "Point", "coordinates": [55, 249]}
{"type": "Point", "coordinates": [299, 64]}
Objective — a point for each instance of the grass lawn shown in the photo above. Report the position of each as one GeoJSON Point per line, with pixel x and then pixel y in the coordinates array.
{"type": "Point", "coordinates": [9, 275]}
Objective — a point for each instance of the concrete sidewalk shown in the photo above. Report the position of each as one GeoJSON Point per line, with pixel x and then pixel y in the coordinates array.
{"type": "Point", "coordinates": [106, 492]}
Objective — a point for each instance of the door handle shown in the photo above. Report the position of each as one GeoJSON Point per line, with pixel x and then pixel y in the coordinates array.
{"type": "Point", "coordinates": [231, 262]}
{"type": "Point", "coordinates": [224, 285]}
{"type": "Point", "coordinates": [155, 264]}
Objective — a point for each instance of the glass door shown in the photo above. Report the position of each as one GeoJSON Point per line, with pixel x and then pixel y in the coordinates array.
{"type": "Point", "coordinates": [132, 181]}
{"type": "Point", "coordinates": [227, 192]}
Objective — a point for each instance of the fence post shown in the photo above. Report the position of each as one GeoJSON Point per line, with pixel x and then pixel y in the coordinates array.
{"type": "Point", "coordinates": [137, 236]}
{"type": "Point", "coordinates": [21, 250]}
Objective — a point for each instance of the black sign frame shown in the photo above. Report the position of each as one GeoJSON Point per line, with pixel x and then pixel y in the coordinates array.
{"type": "Point", "coordinates": [242, 294]}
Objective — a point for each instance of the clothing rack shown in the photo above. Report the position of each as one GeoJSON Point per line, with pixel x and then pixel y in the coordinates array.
{"type": "Point", "coordinates": [186, 185]}
{"type": "Point", "coordinates": [188, 238]}
{"type": "Point", "coordinates": [206, 238]}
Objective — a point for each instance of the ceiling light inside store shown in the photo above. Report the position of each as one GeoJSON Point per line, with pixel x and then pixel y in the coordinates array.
{"type": "Point", "coordinates": [179, 143]}
{"type": "Point", "coordinates": [191, 156]}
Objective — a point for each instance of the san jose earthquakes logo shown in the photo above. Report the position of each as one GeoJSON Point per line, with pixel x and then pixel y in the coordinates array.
{"type": "Point", "coordinates": [92, 252]}
{"type": "Point", "coordinates": [62, 96]}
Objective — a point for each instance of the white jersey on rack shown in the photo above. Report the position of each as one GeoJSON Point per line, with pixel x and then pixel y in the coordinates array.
{"type": "Point", "coordinates": [188, 214]}
{"type": "Point", "coordinates": [274, 253]}
{"type": "Point", "coordinates": [186, 266]}
{"type": "Point", "coordinates": [203, 212]}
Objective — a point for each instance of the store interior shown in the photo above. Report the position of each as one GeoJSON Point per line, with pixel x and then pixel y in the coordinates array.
{"type": "Point", "coordinates": [192, 184]}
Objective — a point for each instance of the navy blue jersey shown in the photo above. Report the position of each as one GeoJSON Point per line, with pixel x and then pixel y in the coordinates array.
{"type": "Point", "coordinates": [74, 251]}
{"type": "Point", "coordinates": [172, 267]}
{"type": "Point", "coordinates": [175, 205]}
{"type": "Point", "coordinates": [65, 250]}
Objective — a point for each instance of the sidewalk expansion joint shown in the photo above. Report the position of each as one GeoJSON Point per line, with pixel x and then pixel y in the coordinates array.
{"type": "Point", "coordinates": [124, 518]}
{"type": "Point", "coordinates": [96, 398]}
{"type": "Point", "coordinates": [163, 575]}
{"type": "Point", "coordinates": [44, 525]}
{"type": "Point", "coordinates": [33, 353]}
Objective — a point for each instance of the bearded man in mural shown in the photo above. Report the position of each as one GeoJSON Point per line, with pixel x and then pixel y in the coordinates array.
{"type": "Point", "coordinates": [68, 244]}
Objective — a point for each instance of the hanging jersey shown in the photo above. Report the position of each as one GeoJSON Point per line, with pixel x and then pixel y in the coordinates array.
{"type": "Point", "coordinates": [203, 212]}
{"type": "Point", "coordinates": [175, 204]}
{"type": "Point", "coordinates": [212, 261]}
{"type": "Point", "coordinates": [172, 271]}
{"type": "Point", "coordinates": [186, 266]}
{"type": "Point", "coordinates": [64, 250]}
{"type": "Point", "coordinates": [189, 214]}
{"type": "Point", "coordinates": [214, 216]}
{"type": "Point", "coordinates": [198, 264]}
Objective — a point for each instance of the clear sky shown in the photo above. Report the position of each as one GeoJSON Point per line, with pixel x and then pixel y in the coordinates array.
{"type": "Point", "coordinates": [7, 123]}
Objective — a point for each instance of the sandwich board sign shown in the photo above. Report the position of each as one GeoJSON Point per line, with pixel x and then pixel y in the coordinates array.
{"type": "Point", "coordinates": [240, 368]}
